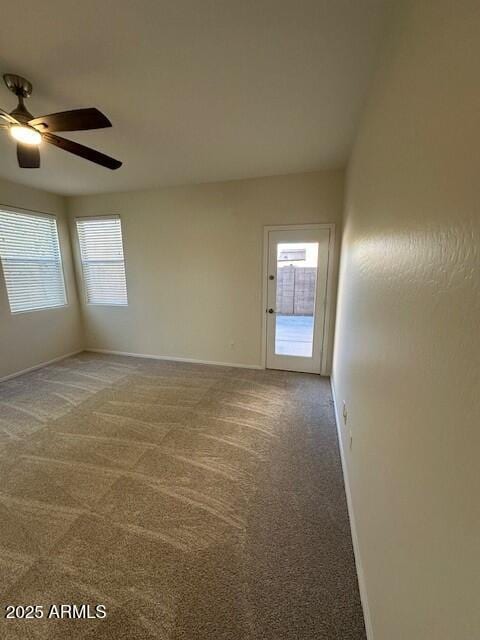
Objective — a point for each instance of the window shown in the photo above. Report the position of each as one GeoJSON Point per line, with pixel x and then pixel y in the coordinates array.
{"type": "Point", "coordinates": [103, 265]}
{"type": "Point", "coordinates": [31, 261]}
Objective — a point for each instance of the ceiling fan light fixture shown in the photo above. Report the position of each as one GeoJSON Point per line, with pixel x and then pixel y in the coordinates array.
{"type": "Point", "coordinates": [25, 134]}
{"type": "Point", "coordinates": [29, 132]}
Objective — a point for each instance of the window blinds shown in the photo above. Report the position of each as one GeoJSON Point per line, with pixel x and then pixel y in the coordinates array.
{"type": "Point", "coordinates": [31, 261]}
{"type": "Point", "coordinates": [103, 265]}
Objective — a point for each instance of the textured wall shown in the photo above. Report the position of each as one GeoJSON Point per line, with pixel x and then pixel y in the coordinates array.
{"type": "Point", "coordinates": [407, 357]}
{"type": "Point", "coordinates": [194, 263]}
{"type": "Point", "coordinates": [27, 339]}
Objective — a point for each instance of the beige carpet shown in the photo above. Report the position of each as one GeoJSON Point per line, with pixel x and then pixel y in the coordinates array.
{"type": "Point", "coordinates": [193, 502]}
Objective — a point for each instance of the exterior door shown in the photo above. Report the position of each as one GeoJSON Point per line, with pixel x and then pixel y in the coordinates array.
{"type": "Point", "coordinates": [296, 298]}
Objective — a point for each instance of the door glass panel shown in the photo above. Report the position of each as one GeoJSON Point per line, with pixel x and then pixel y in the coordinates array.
{"type": "Point", "coordinates": [295, 298]}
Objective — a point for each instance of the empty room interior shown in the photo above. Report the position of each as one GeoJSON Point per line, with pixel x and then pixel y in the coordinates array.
{"type": "Point", "coordinates": [239, 320]}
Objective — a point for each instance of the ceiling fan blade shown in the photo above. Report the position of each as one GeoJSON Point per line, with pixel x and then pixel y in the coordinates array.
{"type": "Point", "coordinates": [76, 120]}
{"type": "Point", "coordinates": [6, 116]}
{"type": "Point", "coordinates": [82, 151]}
{"type": "Point", "coordinates": [28, 156]}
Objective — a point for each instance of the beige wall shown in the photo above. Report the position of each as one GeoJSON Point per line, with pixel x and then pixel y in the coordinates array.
{"type": "Point", "coordinates": [194, 263]}
{"type": "Point", "coordinates": [407, 354]}
{"type": "Point", "coordinates": [28, 339]}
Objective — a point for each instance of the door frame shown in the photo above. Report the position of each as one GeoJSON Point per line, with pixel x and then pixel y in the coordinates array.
{"type": "Point", "coordinates": [327, 329]}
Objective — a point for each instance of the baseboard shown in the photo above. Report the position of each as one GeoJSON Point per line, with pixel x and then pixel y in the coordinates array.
{"type": "Point", "coordinates": [39, 366]}
{"type": "Point", "coordinates": [353, 527]}
{"type": "Point", "coordinates": [173, 359]}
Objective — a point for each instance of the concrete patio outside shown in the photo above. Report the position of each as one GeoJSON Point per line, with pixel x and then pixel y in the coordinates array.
{"type": "Point", "coordinates": [294, 335]}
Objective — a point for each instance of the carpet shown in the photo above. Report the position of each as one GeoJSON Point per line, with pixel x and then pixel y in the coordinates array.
{"type": "Point", "coordinates": [191, 502]}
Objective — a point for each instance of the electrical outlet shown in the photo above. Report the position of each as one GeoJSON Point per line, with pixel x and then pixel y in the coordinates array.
{"type": "Point", "coordinates": [345, 412]}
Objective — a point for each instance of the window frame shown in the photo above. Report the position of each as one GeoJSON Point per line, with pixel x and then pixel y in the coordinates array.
{"type": "Point", "coordinates": [106, 216]}
{"type": "Point", "coordinates": [41, 214]}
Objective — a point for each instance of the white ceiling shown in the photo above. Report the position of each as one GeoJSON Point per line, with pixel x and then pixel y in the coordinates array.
{"type": "Point", "coordinates": [197, 90]}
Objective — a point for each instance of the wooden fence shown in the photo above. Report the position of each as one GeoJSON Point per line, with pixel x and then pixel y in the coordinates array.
{"type": "Point", "coordinates": [296, 290]}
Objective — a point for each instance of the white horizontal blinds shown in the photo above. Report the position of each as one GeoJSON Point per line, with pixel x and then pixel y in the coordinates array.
{"type": "Point", "coordinates": [31, 261]}
{"type": "Point", "coordinates": [103, 265]}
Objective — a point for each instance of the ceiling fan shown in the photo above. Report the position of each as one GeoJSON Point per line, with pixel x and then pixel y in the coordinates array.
{"type": "Point", "coordinates": [29, 132]}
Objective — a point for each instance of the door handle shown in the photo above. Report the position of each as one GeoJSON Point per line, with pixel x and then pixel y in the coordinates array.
{"type": "Point", "coordinates": [271, 311]}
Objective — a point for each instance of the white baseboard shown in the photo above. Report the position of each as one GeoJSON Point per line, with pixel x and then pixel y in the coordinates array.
{"type": "Point", "coordinates": [40, 365]}
{"type": "Point", "coordinates": [353, 527]}
{"type": "Point", "coordinates": [173, 359]}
